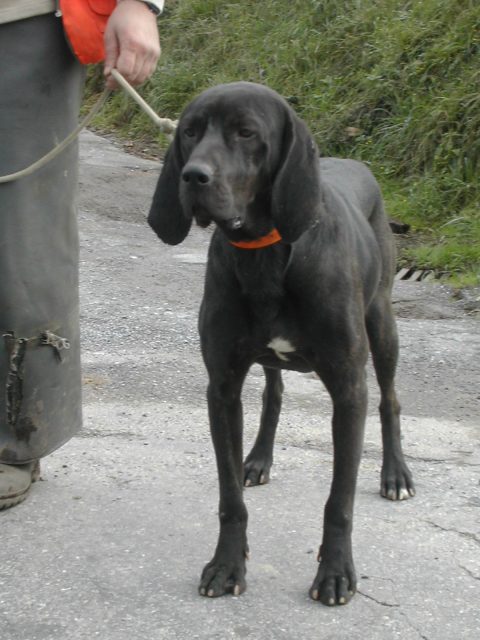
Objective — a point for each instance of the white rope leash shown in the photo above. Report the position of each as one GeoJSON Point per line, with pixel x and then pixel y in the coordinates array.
{"type": "Point", "coordinates": [60, 147]}
{"type": "Point", "coordinates": [164, 124]}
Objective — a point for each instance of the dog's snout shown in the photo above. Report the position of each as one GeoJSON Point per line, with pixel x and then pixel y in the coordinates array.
{"type": "Point", "coordinates": [197, 174]}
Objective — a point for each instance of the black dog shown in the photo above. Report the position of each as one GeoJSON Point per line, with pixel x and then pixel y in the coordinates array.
{"type": "Point", "coordinates": [299, 277]}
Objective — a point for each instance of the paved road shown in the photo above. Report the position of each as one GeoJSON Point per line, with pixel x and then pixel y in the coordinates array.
{"type": "Point", "coordinates": [111, 543]}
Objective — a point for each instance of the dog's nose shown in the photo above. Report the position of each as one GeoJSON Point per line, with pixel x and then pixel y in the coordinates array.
{"type": "Point", "coordinates": [197, 174]}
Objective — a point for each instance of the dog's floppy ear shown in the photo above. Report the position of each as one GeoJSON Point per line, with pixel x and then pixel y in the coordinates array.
{"type": "Point", "coordinates": [296, 186]}
{"type": "Point", "coordinates": [166, 215]}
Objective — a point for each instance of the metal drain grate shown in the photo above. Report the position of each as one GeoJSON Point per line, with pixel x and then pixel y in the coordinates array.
{"type": "Point", "coordinates": [415, 275]}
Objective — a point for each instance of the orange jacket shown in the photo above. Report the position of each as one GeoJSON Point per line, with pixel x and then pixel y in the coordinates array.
{"type": "Point", "coordinates": [84, 22]}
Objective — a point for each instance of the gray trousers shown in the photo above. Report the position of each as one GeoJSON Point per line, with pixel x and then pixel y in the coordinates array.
{"type": "Point", "coordinates": [40, 385]}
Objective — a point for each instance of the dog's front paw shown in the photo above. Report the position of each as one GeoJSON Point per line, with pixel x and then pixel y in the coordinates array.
{"type": "Point", "coordinates": [222, 575]}
{"type": "Point", "coordinates": [256, 470]}
{"type": "Point", "coordinates": [334, 586]}
{"type": "Point", "coordinates": [396, 481]}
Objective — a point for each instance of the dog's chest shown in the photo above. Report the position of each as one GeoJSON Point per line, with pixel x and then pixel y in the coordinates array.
{"type": "Point", "coordinates": [279, 338]}
{"type": "Point", "coordinates": [275, 322]}
{"type": "Point", "coordinates": [282, 348]}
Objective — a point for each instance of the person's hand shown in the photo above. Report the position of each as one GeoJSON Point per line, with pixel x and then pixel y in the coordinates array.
{"type": "Point", "coordinates": [132, 44]}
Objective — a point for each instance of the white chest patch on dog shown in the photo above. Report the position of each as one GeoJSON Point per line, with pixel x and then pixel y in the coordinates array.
{"type": "Point", "coordinates": [281, 346]}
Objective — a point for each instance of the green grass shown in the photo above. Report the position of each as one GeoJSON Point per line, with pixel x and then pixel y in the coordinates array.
{"type": "Point", "coordinates": [393, 83]}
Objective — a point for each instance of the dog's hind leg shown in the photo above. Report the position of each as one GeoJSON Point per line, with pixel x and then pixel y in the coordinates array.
{"type": "Point", "coordinates": [259, 460]}
{"type": "Point", "coordinates": [396, 479]}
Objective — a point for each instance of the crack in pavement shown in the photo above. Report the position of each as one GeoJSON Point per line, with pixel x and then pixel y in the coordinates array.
{"type": "Point", "coordinates": [409, 622]}
{"type": "Point", "coordinates": [470, 573]}
{"type": "Point", "coordinates": [380, 602]}
{"type": "Point", "coordinates": [463, 534]}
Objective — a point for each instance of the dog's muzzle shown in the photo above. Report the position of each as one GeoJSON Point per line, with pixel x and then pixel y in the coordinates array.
{"type": "Point", "coordinates": [203, 195]}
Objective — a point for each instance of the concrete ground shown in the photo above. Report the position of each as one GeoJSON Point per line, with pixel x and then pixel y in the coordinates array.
{"type": "Point", "coordinates": [111, 543]}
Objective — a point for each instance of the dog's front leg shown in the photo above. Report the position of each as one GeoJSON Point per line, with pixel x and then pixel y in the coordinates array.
{"type": "Point", "coordinates": [225, 573]}
{"type": "Point", "coordinates": [335, 582]}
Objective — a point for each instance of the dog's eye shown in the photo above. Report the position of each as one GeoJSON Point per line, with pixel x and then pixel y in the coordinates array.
{"type": "Point", "coordinates": [189, 132]}
{"type": "Point", "coordinates": [246, 133]}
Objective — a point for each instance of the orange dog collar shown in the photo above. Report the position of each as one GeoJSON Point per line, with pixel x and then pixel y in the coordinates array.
{"type": "Point", "coordinates": [265, 241]}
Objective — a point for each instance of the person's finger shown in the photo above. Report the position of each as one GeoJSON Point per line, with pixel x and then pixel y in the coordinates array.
{"type": "Point", "coordinates": [138, 65]}
{"type": "Point", "coordinates": [111, 51]}
{"type": "Point", "coordinates": [145, 71]}
{"type": "Point", "coordinates": [127, 63]}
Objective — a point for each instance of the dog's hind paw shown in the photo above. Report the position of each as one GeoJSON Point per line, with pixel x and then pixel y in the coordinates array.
{"type": "Point", "coordinates": [396, 482]}
{"type": "Point", "coordinates": [256, 470]}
